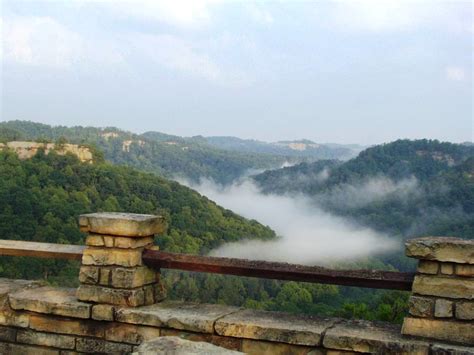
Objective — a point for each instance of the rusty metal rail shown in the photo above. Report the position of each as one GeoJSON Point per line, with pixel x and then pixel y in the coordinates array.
{"type": "Point", "coordinates": [228, 266]}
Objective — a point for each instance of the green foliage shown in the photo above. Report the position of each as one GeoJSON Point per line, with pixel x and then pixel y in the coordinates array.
{"type": "Point", "coordinates": [41, 198]}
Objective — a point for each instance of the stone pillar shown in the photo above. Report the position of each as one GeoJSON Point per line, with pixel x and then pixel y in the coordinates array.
{"type": "Point", "coordinates": [112, 271]}
{"type": "Point", "coordinates": [442, 302]}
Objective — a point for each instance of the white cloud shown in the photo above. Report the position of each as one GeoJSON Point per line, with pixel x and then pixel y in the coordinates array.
{"type": "Point", "coordinates": [455, 73]}
{"type": "Point", "coordinates": [399, 15]}
{"type": "Point", "coordinates": [180, 13]}
{"type": "Point", "coordinates": [42, 41]}
{"type": "Point", "coordinates": [186, 57]}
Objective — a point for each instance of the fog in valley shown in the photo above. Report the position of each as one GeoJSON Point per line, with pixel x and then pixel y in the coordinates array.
{"type": "Point", "coordinates": [307, 234]}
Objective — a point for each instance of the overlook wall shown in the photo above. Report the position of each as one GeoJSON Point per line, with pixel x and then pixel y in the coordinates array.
{"type": "Point", "coordinates": [27, 150]}
{"type": "Point", "coordinates": [121, 304]}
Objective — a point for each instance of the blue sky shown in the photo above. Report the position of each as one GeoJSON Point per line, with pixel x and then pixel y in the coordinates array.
{"type": "Point", "coordinates": [348, 71]}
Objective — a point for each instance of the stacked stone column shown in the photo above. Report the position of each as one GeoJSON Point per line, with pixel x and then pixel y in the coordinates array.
{"type": "Point", "coordinates": [442, 303]}
{"type": "Point", "coordinates": [112, 270]}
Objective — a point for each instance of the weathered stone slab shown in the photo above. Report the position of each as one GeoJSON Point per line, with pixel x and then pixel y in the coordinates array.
{"type": "Point", "coordinates": [443, 308]}
{"type": "Point", "coordinates": [452, 331]}
{"type": "Point", "coordinates": [254, 347]}
{"type": "Point", "coordinates": [103, 312]}
{"type": "Point", "coordinates": [14, 319]}
{"type": "Point", "coordinates": [7, 334]}
{"type": "Point", "coordinates": [371, 337]}
{"type": "Point", "coordinates": [443, 286]}
{"type": "Point", "coordinates": [49, 300]}
{"type": "Point", "coordinates": [225, 342]}
{"type": "Point", "coordinates": [130, 333]}
{"type": "Point", "coordinates": [20, 349]}
{"type": "Point", "coordinates": [446, 249]}
{"type": "Point", "coordinates": [132, 277]}
{"type": "Point", "coordinates": [428, 267]}
{"type": "Point", "coordinates": [465, 310]}
{"type": "Point", "coordinates": [101, 346]}
{"type": "Point", "coordinates": [8, 286]}
{"type": "Point", "coordinates": [274, 326]}
{"type": "Point", "coordinates": [465, 270]}
{"type": "Point", "coordinates": [121, 297]}
{"type": "Point", "coordinates": [112, 241]}
{"type": "Point", "coordinates": [89, 274]}
{"type": "Point", "coordinates": [112, 256]}
{"type": "Point", "coordinates": [421, 306]}
{"type": "Point", "coordinates": [447, 268]}
{"type": "Point", "coordinates": [177, 315]}
{"type": "Point", "coordinates": [177, 346]}
{"type": "Point", "coordinates": [448, 349]}
{"type": "Point", "coordinates": [46, 339]}
{"type": "Point", "coordinates": [66, 326]}
{"type": "Point", "coordinates": [122, 224]}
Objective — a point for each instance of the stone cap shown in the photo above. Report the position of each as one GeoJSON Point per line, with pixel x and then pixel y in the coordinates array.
{"type": "Point", "coordinates": [122, 224]}
{"type": "Point", "coordinates": [445, 249]}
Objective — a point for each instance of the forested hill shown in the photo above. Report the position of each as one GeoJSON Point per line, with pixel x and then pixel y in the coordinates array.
{"type": "Point", "coordinates": [405, 188]}
{"type": "Point", "coordinates": [155, 152]}
{"type": "Point", "coordinates": [41, 199]}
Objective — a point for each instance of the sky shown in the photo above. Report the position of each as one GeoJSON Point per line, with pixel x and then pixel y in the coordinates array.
{"type": "Point", "coordinates": [364, 72]}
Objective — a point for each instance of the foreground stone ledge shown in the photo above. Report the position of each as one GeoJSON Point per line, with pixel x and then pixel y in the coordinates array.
{"type": "Point", "coordinates": [122, 224]}
{"type": "Point", "coordinates": [177, 315]}
{"type": "Point", "coordinates": [449, 287]}
{"type": "Point", "coordinates": [274, 326]}
{"type": "Point", "coordinates": [371, 337]}
{"type": "Point", "coordinates": [49, 300]}
{"type": "Point", "coordinates": [175, 345]}
{"type": "Point", "coordinates": [445, 249]}
{"type": "Point", "coordinates": [460, 332]}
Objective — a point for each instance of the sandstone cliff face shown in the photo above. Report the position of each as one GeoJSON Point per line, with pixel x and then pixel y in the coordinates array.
{"type": "Point", "coordinates": [27, 150]}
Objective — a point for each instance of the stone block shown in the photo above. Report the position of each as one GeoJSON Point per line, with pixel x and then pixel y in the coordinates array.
{"type": "Point", "coordinates": [105, 276]}
{"type": "Point", "coordinates": [49, 300]}
{"type": "Point", "coordinates": [122, 224]}
{"type": "Point", "coordinates": [14, 319]}
{"type": "Point", "coordinates": [95, 240]}
{"type": "Point", "coordinates": [428, 267]}
{"type": "Point", "coordinates": [103, 312]}
{"type": "Point", "coordinates": [46, 339]}
{"type": "Point", "coordinates": [132, 243]}
{"type": "Point", "coordinates": [67, 326]}
{"type": "Point", "coordinates": [177, 315]}
{"type": "Point", "coordinates": [20, 349]}
{"type": "Point", "coordinates": [443, 286]}
{"type": "Point", "coordinates": [7, 334]}
{"type": "Point", "coordinates": [130, 333]}
{"type": "Point", "coordinates": [259, 347]}
{"type": "Point", "coordinates": [224, 342]}
{"type": "Point", "coordinates": [101, 346]}
{"type": "Point", "coordinates": [443, 308]}
{"type": "Point", "coordinates": [112, 256]}
{"type": "Point", "coordinates": [447, 268]}
{"type": "Point", "coordinates": [445, 249]}
{"type": "Point", "coordinates": [452, 331]}
{"type": "Point", "coordinates": [274, 326]}
{"type": "Point", "coordinates": [448, 349]}
{"type": "Point", "coordinates": [89, 274]}
{"type": "Point", "coordinates": [465, 310]}
{"type": "Point", "coordinates": [421, 306]}
{"type": "Point", "coordinates": [465, 270]}
{"type": "Point", "coordinates": [132, 277]}
{"type": "Point", "coordinates": [371, 337]}
{"type": "Point", "coordinates": [122, 297]}
{"type": "Point", "coordinates": [175, 345]}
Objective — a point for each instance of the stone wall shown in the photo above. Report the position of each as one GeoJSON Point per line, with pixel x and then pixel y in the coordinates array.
{"type": "Point", "coordinates": [27, 150]}
{"type": "Point", "coordinates": [114, 311]}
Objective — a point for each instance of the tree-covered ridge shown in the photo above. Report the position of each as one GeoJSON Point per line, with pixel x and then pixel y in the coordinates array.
{"type": "Point", "coordinates": [405, 188]}
{"type": "Point", "coordinates": [41, 198]}
{"type": "Point", "coordinates": [155, 152]}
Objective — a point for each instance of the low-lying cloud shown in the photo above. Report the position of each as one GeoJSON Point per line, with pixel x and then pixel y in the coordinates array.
{"type": "Point", "coordinates": [307, 235]}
